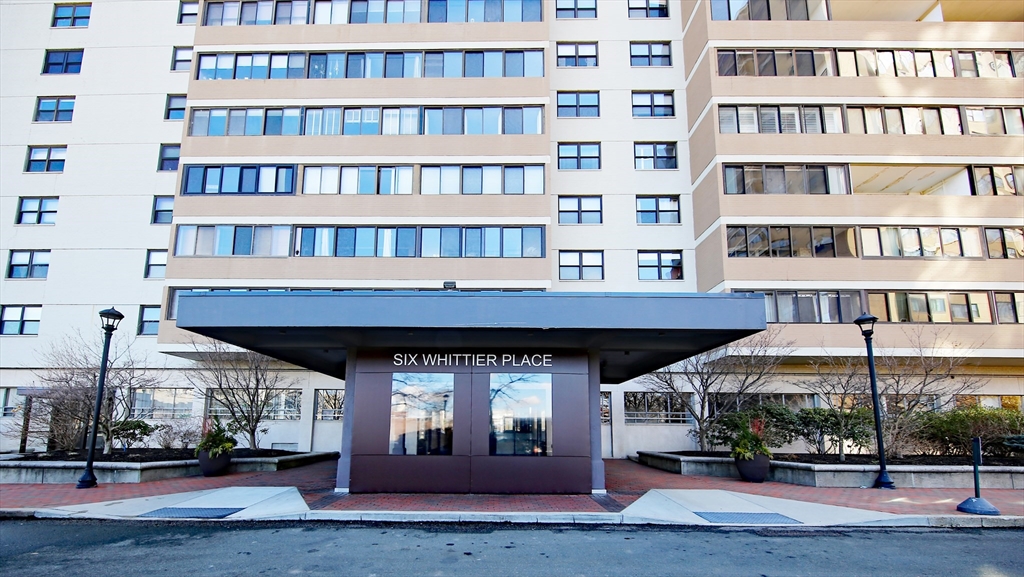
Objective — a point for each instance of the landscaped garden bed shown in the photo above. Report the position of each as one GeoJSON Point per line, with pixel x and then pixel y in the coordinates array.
{"type": "Point", "coordinates": [147, 455]}
{"type": "Point", "coordinates": [862, 459]}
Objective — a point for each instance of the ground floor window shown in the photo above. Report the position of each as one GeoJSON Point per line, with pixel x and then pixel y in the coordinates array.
{"type": "Point", "coordinates": [421, 413]}
{"type": "Point", "coordinates": [655, 408]}
{"type": "Point", "coordinates": [329, 404]}
{"type": "Point", "coordinates": [161, 403]}
{"type": "Point", "coordinates": [606, 408]}
{"type": "Point", "coordinates": [520, 414]}
{"type": "Point", "coordinates": [283, 405]}
{"type": "Point", "coordinates": [990, 401]}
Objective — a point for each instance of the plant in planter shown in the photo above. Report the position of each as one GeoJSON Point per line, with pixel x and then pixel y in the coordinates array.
{"type": "Point", "coordinates": [751, 453]}
{"type": "Point", "coordinates": [214, 450]}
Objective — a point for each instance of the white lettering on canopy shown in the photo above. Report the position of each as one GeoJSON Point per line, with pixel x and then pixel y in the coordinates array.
{"type": "Point", "coordinates": [471, 360]}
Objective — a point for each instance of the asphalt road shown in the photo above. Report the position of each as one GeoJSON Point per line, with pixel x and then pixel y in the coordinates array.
{"type": "Point", "coordinates": [100, 548]}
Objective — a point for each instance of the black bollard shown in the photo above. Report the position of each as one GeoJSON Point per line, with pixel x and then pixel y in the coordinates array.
{"type": "Point", "coordinates": [976, 505]}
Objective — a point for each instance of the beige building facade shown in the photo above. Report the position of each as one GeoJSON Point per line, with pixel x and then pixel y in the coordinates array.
{"type": "Point", "coordinates": [839, 156]}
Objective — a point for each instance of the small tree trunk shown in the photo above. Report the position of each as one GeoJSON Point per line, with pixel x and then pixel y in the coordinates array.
{"type": "Point", "coordinates": [252, 440]}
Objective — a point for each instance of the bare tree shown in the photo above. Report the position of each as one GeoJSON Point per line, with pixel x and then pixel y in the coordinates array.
{"type": "Point", "coordinates": [927, 377]}
{"type": "Point", "coordinates": [719, 381]}
{"type": "Point", "coordinates": [842, 385]}
{"type": "Point", "coordinates": [62, 411]}
{"type": "Point", "coordinates": [244, 382]}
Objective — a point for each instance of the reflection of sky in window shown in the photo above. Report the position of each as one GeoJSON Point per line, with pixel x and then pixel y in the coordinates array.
{"type": "Point", "coordinates": [520, 395]}
{"type": "Point", "coordinates": [428, 392]}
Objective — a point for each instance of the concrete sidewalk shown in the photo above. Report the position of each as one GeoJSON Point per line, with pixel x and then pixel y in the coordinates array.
{"type": "Point", "coordinates": [636, 495]}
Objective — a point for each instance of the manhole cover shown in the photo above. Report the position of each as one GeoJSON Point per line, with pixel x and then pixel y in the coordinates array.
{"type": "Point", "coordinates": [747, 518]}
{"type": "Point", "coordinates": [191, 513]}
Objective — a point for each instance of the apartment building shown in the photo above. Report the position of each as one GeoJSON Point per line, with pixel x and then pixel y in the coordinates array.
{"type": "Point", "coordinates": [300, 149]}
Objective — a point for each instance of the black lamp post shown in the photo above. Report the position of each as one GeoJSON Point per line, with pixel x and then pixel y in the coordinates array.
{"type": "Point", "coordinates": [110, 319]}
{"type": "Point", "coordinates": [866, 322]}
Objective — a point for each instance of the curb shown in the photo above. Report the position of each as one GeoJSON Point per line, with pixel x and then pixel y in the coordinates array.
{"type": "Point", "coordinates": [907, 521]}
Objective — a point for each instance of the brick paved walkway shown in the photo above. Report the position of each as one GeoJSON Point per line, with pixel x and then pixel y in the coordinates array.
{"type": "Point", "coordinates": [626, 482]}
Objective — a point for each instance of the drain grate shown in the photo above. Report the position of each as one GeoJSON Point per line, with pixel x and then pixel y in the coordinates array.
{"type": "Point", "coordinates": [747, 518]}
{"type": "Point", "coordinates": [191, 513]}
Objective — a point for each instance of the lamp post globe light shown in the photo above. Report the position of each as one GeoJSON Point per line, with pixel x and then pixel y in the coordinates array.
{"type": "Point", "coordinates": [866, 323]}
{"type": "Point", "coordinates": [109, 318]}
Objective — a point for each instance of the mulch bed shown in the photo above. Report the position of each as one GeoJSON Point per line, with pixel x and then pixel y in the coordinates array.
{"type": "Point", "coordinates": [147, 455]}
{"type": "Point", "coordinates": [934, 460]}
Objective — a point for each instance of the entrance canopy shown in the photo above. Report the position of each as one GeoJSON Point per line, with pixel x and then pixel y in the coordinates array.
{"type": "Point", "coordinates": [634, 333]}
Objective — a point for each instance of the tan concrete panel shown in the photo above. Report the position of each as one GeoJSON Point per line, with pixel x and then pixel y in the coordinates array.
{"type": "Point", "coordinates": [707, 199]}
{"type": "Point", "coordinates": [855, 270]}
{"type": "Point", "coordinates": [236, 208]}
{"type": "Point", "coordinates": [378, 146]}
{"type": "Point", "coordinates": [405, 34]}
{"type": "Point", "coordinates": [875, 205]}
{"type": "Point", "coordinates": [696, 36]}
{"type": "Point", "coordinates": [876, 34]}
{"type": "Point", "coordinates": [412, 91]}
{"type": "Point", "coordinates": [703, 146]}
{"type": "Point", "coordinates": [902, 335]}
{"type": "Point", "coordinates": [342, 269]}
{"type": "Point", "coordinates": [854, 145]}
{"type": "Point", "coordinates": [867, 90]}
{"type": "Point", "coordinates": [711, 261]}
{"type": "Point", "coordinates": [699, 91]}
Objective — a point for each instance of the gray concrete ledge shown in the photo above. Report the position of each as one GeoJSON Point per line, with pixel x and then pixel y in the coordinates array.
{"type": "Point", "coordinates": [910, 476]}
{"type": "Point", "coordinates": [60, 472]}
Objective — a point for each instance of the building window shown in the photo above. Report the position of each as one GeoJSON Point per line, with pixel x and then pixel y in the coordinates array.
{"type": "Point", "coordinates": [71, 15]}
{"type": "Point", "coordinates": [28, 264]}
{"type": "Point", "coordinates": [579, 210]}
{"type": "Point", "coordinates": [63, 62]}
{"type": "Point", "coordinates": [20, 319]}
{"type": "Point", "coordinates": [768, 62]}
{"type": "Point", "coordinates": [1005, 242]}
{"type": "Point", "coordinates": [930, 307]}
{"type": "Point", "coordinates": [163, 209]}
{"type": "Point", "coordinates": [641, 408]}
{"type": "Point", "coordinates": [578, 104]}
{"type": "Point", "coordinates": [787, 120]}
{"type": "Point", "coordinates": [658, 265]}
{"type": "Point", "coordinates": [169, 154]}
{"type": "Point", "coordinates": [994, 121]}
{"type": "Point", "coordinates": [149, 319]}
{"type": "Point", "coordinates": [892, 241]}
{"type": "Point", "coordinates": [239, 179]}
{"type": "Point", "coordinates": [1010, 307]}
{"type": "Point", "coordinates": [654, 155]}
{"type": "Point", "coordinates": [799, 179]}
{"type": "Point", "coordinates": [579, 156]}
{"type": "Point", "coordinates": [580, 265]}
{"type": "Point", "coordinates": [521, 414]}
{"type": "Point", "coordinates": [161, 403]}
{"type": "Point", "coordinates": [175, 108]}
{"type": "Point", "coordinates": [282, 12]}
{"type": "Point", "coordinates": [329, 404]}
{"type": "Point", "coordinates": [480, 11]}
{"type": "Point", "coordinates": [606, 408]}
{"type": "Point", "coordinates": [576, 9]}
{"type": "Point", "coordinates": [282, 405]}
{"type": "Point", "coordinates": [422, 406]}
{"type": "Point", "coordinates": [10, 402]}
{"type": "Point", "coordinates": [55, 109]}
{"type": "Point", "coordinates": [648, 8]}
{"type": "Point", "coordinates": [187, 12]}
{"type": "Point", "coordinates": [46, 158]}
{"type": "Point", "coordinates": [768, 10]}
{"type": "Point", "coordinates": [809, 306]}
{"type": "Point", "coordinates": [487, 179]}
{"type": "Point", "coordinates": [650, 54]}
{"type": "Point", "coordinates": [35, 210]}
{"type": "Point", "coordinates": [577, 54]}
{"type": "Point", "coordinates": [156, 263]}
{"type": "Point", "coordinates": [791, 241]}
{"type": "Point", "coordinates": [905, 120]}
{"type": "Point", "coordinates": [999, 180]}
{"type": "Point", "coordinates": [657, 210]}
{"type": "Point", "coordinates": [229, 240]}
{"type": "Point", "coordinates": [647, 104]}
{"type": "Point", "coordinates": [181, 58]}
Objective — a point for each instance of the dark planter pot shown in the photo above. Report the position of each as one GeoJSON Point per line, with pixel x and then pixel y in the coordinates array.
{"type": "Point", "coordinates": [213, 467]}
{"type": "Point", "coordinates": [754, 470]}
